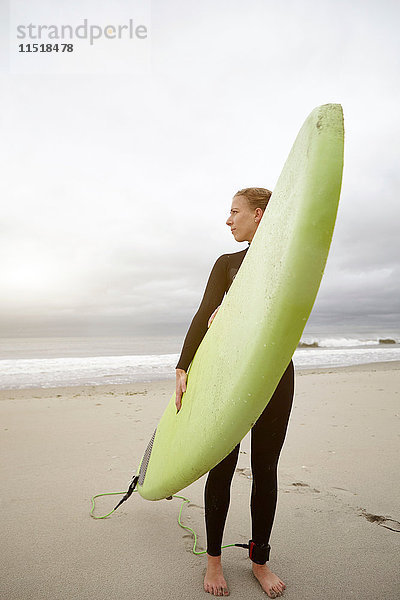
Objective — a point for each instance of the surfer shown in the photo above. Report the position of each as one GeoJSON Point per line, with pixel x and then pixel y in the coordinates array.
{"type": "Point", "coordinates": [267, 434]}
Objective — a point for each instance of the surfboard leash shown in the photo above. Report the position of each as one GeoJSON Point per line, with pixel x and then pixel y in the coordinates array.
{"type": "Point", "coordinates": [197, 552]}
{"type": "Point", "coordinates": [129, 492]}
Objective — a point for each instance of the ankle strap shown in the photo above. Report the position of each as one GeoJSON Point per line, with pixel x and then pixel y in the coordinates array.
{"type": "Point", "coordinates": [259, 553]}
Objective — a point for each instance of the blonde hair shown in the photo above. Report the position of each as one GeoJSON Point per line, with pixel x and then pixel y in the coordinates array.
{"type": "Point", "coordinates": [256, 197]}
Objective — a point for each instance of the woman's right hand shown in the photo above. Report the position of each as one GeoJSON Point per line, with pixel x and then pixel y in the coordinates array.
{"type": "Point", "coordinates": [181, 378]}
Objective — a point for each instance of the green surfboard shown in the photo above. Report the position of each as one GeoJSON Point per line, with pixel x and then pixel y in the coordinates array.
{"type": "Point", "coordinates": [258, 327]}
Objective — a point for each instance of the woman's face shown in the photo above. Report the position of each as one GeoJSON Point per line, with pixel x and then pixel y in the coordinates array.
{"type": "Point", "coordinates": [243, 220]}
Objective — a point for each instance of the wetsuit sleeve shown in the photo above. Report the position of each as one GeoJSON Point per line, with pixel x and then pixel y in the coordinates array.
{"type": "Point", "coordinates": [214, 292]}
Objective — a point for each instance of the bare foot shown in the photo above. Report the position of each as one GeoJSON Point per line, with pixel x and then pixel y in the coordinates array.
{"type": "Point", "coordinates": [214, 580]}
{"type": "Point", "coordinates": [270, 583]}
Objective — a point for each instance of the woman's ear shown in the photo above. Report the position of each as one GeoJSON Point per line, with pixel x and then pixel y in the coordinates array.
{"type": "Point", "coordinates": [258, 214]}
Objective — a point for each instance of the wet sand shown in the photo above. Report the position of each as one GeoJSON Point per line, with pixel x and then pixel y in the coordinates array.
{"type": "Point", "coordinates": [336, 530]}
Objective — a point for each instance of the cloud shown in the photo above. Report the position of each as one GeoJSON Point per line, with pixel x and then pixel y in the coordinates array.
{"type": "Point", "coordinates": [116, 189]}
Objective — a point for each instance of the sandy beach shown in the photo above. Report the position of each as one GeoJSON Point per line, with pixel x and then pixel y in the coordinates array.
{"type": "Point", "coordinates": [336, 532]}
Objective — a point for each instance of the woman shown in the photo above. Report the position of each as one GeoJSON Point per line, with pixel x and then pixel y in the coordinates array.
{"type": "Point", "coordinates": [267, 434]}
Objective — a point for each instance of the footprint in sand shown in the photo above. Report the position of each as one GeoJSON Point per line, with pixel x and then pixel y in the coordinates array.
{"type": "Point", "coordinates": [383, 521]}
{"type": "Point", "coordinates": [386, 522]}
{"type": "Point", "coordinates": [246, 472]}
{"type": "Point", "coordinates": [193, 505]}
{"type": "Point", "coordinates": [305, 485]}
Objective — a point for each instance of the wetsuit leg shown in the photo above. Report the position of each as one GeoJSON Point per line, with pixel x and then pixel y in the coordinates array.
{"type": "Point", "coordinates": [217, 494]}
{"type": "Point", "coordinates": [267, 437]}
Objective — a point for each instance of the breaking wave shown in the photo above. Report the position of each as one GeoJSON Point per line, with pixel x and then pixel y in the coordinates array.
{"type": "Point", "coordinates": [346, 342]}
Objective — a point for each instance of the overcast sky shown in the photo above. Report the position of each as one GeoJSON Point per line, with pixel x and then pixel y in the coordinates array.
{"type": "Point", "coordinates": [119, 164]}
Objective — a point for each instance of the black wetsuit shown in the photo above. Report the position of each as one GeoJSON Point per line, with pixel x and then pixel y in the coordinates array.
{"type": "Point", "coordinates": [267, 434]}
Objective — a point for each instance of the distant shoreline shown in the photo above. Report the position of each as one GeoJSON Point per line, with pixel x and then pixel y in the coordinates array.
{"type": "Point", "coordinates": [314, 344]}
{"type": "Point", "coordinates": [390, 365]}
{"type": "Point", "coordinates": [371, 367]}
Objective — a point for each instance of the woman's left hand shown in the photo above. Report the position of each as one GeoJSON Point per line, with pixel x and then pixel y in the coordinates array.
{"type": "Point", "coordinates": [211, 319]}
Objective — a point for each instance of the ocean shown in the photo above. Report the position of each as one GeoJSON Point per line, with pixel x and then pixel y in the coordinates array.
{"type": "Point", "coordinates": [71, 361]}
